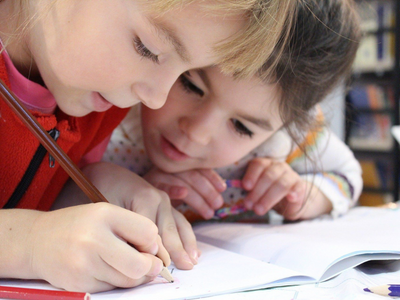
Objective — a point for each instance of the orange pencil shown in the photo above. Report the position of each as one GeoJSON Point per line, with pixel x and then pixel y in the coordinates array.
{"type": "Point", "coordinates": [7, 292]}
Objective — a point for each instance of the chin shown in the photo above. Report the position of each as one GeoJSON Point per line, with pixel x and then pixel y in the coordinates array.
{"type": "Point", "coordinates": [169, 167]}
{"type": "Point", "coordinates": [74, 110]}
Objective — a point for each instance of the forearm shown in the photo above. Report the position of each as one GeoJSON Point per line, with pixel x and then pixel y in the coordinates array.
{"type": "Point", "coordinates": [104, 176]}
{"type": "Point", "coordinates": [70, 195]}
{"type": "Point", "coordinates": [16, 247]}
{"type": "Point", "coordinates": [110, 178]}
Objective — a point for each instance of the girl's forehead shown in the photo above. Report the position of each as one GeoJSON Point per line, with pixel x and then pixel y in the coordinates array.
{"type": "Point", "coordinates": [251, 97]}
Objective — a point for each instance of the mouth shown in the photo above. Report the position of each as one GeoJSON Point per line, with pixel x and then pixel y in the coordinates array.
{"type": "Point", "coordinates": [100, 103]}
{"type": "Point", "coordinates": [171, 151]}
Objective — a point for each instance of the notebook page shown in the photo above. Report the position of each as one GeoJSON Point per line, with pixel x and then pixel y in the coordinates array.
{"type": "Point", "coordinates": [310, 247]}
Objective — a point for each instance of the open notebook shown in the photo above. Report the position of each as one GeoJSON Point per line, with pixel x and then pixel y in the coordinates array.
{"type": "Point", "coordinates": [238, 257]}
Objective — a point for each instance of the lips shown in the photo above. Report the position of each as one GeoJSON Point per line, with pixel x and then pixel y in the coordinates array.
{"type": "Point", "coordinates": [100, 103]}
{"type": "Point", "coordinates": [171, 151]}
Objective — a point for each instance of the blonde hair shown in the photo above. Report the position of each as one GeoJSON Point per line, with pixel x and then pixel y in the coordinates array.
{"type": "Point", "coordinates": [265, 31]}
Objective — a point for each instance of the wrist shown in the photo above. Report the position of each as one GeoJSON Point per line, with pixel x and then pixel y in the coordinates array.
{"type": "Point", "coordinates": [18, 239]}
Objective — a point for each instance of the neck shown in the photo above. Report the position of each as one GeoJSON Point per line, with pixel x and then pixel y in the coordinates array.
{"type": "Point", "coordinates": [13, 34]}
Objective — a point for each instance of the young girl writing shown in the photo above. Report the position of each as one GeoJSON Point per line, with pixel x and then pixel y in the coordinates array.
{"type": "Point", "coordinates": [246, 128]}
{"type": "Point", "coordinates": [76, 65]}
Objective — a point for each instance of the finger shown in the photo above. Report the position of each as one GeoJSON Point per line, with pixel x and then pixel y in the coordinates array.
{"type": "Point", "coordinates": [265, 181]}
{"type": "Point", "coordinates": [172, 241]}
{"type": "Point", "coordinates": [187, 235]}
{"type": "Point", "coordinates": [194, 200]}
{"type": "Point", "coordinates": [214, 178]}
{"type": "Point", "coordinates": [276, 193]}
{"type": "Point", "coordinates": [253, 172]}
{"type": "Point", "coordinates": [163, 253]}
{"type": "Point", "coordinates": [173, 191]}
{"type": "Point", "coordinates": [293, 209]}
{"type": "Point", "coordinates": [130, 226]}
{"type": "Point", "coordinates": [111, 276]}
{"type": "Point", "coordinates": [149, 208]}
{"type": "Point", "coordinates": [297, 193]}
{"type": "Point", "coordinates": [127, 260]}
{"type": "Point", "coordinates": [204, 188]}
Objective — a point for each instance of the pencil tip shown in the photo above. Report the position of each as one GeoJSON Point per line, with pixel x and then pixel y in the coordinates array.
{"type": "Point", "coordinates": [166, 275]}
{"type": "Point", "coordinates": [367, 290]}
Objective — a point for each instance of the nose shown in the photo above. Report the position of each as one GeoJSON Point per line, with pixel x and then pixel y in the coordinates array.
{"type": "Point", "coordinates": [153, 91]}
{"type": "Point", "coordinates": [199, 128]}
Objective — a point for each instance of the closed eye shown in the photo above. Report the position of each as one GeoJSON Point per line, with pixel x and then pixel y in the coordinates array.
{"type": "Point", "coordinates": [142, 50]}
{"type": "Point", "coordinates": [241, 129]}
{"type": "Point", "coordinates": [189, 86]}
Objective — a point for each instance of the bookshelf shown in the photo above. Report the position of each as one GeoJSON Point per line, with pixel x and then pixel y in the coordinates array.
{"type": "Point", "coordinates": [372, 103]}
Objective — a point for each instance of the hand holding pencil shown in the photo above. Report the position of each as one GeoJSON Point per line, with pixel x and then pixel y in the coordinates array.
{"type": "Point", "coordinates": [82, 248]}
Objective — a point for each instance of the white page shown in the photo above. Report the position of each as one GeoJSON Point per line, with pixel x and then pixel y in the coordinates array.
{"type": "Point", "coordinates": [349, 285]}
{"type": "Point", "coordinates": [310, 247]}
{"type": "Point", "coordinates": [218, 272]}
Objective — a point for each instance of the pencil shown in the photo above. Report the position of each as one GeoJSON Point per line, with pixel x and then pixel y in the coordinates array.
{"type": "Point", "coordinates": [51, 146]}
{"type": "Point", "coordinates": [54, 149]}
{"type": "Point", "coordinates": [7, 292]}
{"type": "Point", "coordinates": [392, 290]}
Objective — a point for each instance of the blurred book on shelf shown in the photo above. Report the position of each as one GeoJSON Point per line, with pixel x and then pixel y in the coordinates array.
{"type": "Point", "coordinates": [375, 199]}
{"type": "Point", "coordinates": [371, 132]}
{"type": "Point", "coordinates": [376, 52]}
{"type": "Point", "coordinates": [378, 181]}
{"type": "Point", "coordinates": [372, 117]}
{"type": "Point", "coordinates": [372, 96]}
{"type": "Point", "coordinates": [376, 174]}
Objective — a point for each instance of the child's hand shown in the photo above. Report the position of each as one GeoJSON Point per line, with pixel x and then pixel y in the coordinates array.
{"type": "Point", "coordinates": [81, 248]}
{"type": "Point", "coordinates": [274, 184]}
{"type": "Point", "coordinates": [201, 188]}
{"type": "Point", "coordinates": [126, 189]}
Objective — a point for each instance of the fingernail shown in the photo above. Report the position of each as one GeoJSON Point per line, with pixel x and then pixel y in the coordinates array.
{"type": "Point", "coordinates": [209, 214]}
{"type": "Point", "coordinates": [259, 209]}
{"type": "Point", "coordinates": [221, 185]}
{"type": "Point", "coordinates": [194, 255]}
{"type": "Point", "coordinates": [247, 184]}
{"type": "Point", "coordinates": [248, 205]}
{"type": "Point", "coordinates": [154, 249]}
{"type": "Point", "coordinates": [187, 259]}
{"type": "Point", "coordinates": [218, 202]}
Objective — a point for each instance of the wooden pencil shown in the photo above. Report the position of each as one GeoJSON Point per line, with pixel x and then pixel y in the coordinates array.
{"type": "Point", "coordinates": [51, 146]}
{"type": "Point", "coordinates": [7, 292]}
{"type": "Point", "coordinates": [55, 150]}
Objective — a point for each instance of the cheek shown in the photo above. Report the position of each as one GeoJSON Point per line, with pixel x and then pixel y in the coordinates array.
{"type": "Point", "coordinates": [227, 153]}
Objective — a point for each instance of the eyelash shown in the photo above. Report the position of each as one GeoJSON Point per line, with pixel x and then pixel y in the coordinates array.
{"type": "Point", "coordinates": [189, 87]}
{"type": "Point", "coordinates": [142, 50]}
{"type": "Point", "coordinates": [241, 129]}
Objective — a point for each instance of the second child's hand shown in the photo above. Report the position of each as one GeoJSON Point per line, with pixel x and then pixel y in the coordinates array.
{"type": "Point", "coordinates": [200, 188]}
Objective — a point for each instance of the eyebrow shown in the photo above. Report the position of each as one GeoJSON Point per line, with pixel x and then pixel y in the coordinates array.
{"type": "Point", "coordinates": [263, 123]}
{"type": "Point", "coordinates": [169, 34]}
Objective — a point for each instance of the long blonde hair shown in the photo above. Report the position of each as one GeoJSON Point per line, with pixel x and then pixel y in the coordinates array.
{"type": "Point", "coordinates": [265, 31]}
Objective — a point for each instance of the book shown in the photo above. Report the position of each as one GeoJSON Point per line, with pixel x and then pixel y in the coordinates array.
{"type": "Point", "coordinates": [377, 48]}
{"type": "Point", "coordinates": [242, 257]}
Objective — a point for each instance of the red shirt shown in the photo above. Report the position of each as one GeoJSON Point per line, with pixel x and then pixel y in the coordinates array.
{"type": "Point", "coordinates": [78, 135]}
